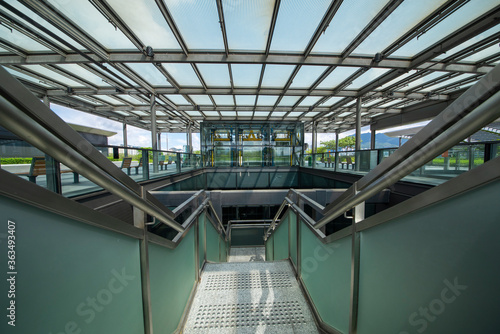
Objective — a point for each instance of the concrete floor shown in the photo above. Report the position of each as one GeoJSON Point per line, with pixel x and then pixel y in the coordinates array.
{"type": "Point", "coordinates": [249, 297]}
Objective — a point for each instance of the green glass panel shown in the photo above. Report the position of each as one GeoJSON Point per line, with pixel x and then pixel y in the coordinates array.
{"type": "Point", "coordinates": [247, 237]}
{"type": "Point", "coordinates": [201, 239]}
{"type": "Point", "coordinates": [326, 272]}
{"type": "Point", "coordinates": [172, 278]}
{"type": "Point", "coordinates": [293, 236]}
{"type": "Point", "coordinates": [212, 242]}
{"type": "Point", "coordinates": [434, 270]}
{"type": "Point", "coordinates": [270, 249]}
{"type": "Point", "coordinates": [281, 240]}
{"type": "Point", "coordinates": [71, 277]}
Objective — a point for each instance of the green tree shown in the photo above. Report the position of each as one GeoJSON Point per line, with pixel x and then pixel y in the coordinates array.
{"type": "Point", "coordinates": [349, 142]}
{"type": "Point", "coordinates": [328, 145]}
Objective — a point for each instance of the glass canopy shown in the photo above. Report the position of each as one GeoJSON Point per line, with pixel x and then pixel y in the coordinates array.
{"type": "Point", "coordinates": [257, 60]}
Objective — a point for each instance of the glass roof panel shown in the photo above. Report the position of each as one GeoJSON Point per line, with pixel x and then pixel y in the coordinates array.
{"type": "Point", "coordinates": [307, 76]}
{"type": "Point", "coordinates": [278, 114]}
{"type": "Point", "coordinates": [295, 114]}
{"type": "Point", "coordinates": [266, 100]}
{"type": "Point", "coordinates": [422, 80]}
{"type": "Point", "coordinates": [368, 77]}
{"type": "Point", "coordinates": [492, 50]}
{"type": "Point", "coordinates": [201, 99]}
{"type": "Point", "coordinates": [183, 74]}
{"type": "Point", "coordinates": [368, 104]}
{"type": "Point", "coordinates": [288, 101]}
{"type": "Point", "coordinates": [469, 12]}
{"type": "Point", "coordinates": [402, 20]}
{"type": "Point", "coordinates": [311, 114]}
{"type": "Point", "coordinates": [147, 22]}
{"type": "Point", "coordinates": [261, 114]}
{"type": "Point", "coordinates": [193, 113]}
{"type": "Point", "coordinates": [296, 23]}
{"type": "Point", "coordinates": [86, 16]}
{"type": "Point", "coordinates": [276, 76]}
{"type": "Point", "coordinates": [26, 77]}
{"type": "Point", "coordinates": [331, 101]}
{"type": "Point", "coordinates": [107, 99]}
{"type": "Point", "coordinates": [131, 99]}
{"type": "Point", "coordinates": [246, 75]}
{"type": "Point", "coordinates": [228, 113]}
{"type": "Point", "coordinates": [391, 103]}
{"type": "Point", "coordinates": [246, 100]}
{"type": "Point", "coordinates": [448, 82]}
{"type": "Point", "coordinates": [118, 74]}
{"type": "Point", "coordinates": [149, 73]}
{"type": "Point", "coordinates": [177, 99]}
{"type": "Point", "coordinates": [247, 23]}
{"type": "Point", "coordinates": [215, 75]}
{"type": "Point", "coordinates": [20, 40]}
{"type": "Point", "coordinates": [198, 22]}
{"type": "Point", "coordinates": [398, 79]}
{"type": "Point", "coordinates": [223, 100]}
{"type": "Point", "coordinates": [469, 42]}
{"type": "Point", "coordinates": [344, 114]}
{"type": "Point", "coordinates": [211, 113]}
{"type": "Point", "coordinates": [245, 113]}
{"type": "Point", "coordinates": [309, 101]}
{"type": "Point", "coordinates": [348, 22]}
{"type": "Point", "coordinates": [83, 74]}
{"type": "Point", "coordinates": [337, 76]}
{"type": "Point", "coordinates": [53, 75]}
{"type": "Point", "coordinates": [35, 17]}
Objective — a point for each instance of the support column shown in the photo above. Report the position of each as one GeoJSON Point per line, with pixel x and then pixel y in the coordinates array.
{"type": "Point", "coordinates": [314, 143]}
{"type": "Point", "coordinates": [159, 140]}
{"type": "Point", "coordinates": [357, 159]}
{"type": "Point", "coordinates": [189, 139]}
{"type": "Point", "coordinates": [373, 135]}
{"type": "Point", "coordinates": [52, 167]}
{"type": "Point", "coordinates": [141, 223]}
{"type": "Point", "coordinates": [337, 158]}
{"type": "Point", "coordinates": [125, 143]}
{"type": "Point", "coordinates": [152, 110]}
{"type": "Point", "coordinates": [358, 124]}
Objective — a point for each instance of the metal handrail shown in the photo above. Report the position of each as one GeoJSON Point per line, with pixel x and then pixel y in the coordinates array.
{"type": "Point", "coordinates": [456, 122]}
{"type": "Point", "coordinates": [25, 127]}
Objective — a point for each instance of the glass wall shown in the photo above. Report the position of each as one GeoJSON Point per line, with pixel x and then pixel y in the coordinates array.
{"type": "Point", "coordinates": [252, 144]}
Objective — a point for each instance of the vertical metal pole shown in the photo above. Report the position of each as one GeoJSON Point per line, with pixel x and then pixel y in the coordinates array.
{"type": "Point", "coordinates": [152, 110]}
{"type": "Point", "coordinates": [125, 143]}
{"type": "Point", "coordinates": [358, 134]}
{"type": "Point", "coordinates": [159, 141]}
{"type": "Point", "coordinates": [314, 143]}
{"type": "Point", "coordinates": [337, 158]}
{"type": "Point", "coordinates": [140, 222]}
{"type": "Point", "coordinates": [358, 124]}
{"type": "Point", "coordinates": [52, 167]}
{"type": "Point", "coordinates": [373, 136]}
{"type": "Point", "coordinates": [358, 215]}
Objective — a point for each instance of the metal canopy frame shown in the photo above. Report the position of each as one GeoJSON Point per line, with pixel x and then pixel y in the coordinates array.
{"type": "Point", "coordinates": [121, 82]}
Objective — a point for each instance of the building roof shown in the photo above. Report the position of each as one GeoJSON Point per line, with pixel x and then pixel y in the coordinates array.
{"type": "Point", "coordinates": [248, 60]}
{"type": "Point", "coordinates": [95, 131]}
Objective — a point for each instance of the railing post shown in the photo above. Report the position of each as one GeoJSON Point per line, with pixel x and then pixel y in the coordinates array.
{"type": "Point", "coordinates": [178, 162]}
{"type": "Point", "coordinates": [141, 222]}
{"type": "Point", "coordinates": [358, 215]}
{"type": "Point", "coordinates": [145, 164]}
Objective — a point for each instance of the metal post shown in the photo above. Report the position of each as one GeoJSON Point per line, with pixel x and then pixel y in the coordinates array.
{"type": "Point", "coordinates": [373, 138]}
{"type": "Point", "coordinates": [314, 143]}
{"type": "Point", "coordinates": [159, 141]}
{"type": "Point", "coordinates": [125, 137]}
{"type": "Point", "coordinates": [152, 110]}
{"type": "Point", "coordinates": [140, 222]}
{"type": "Point", "coordinates": [52, 167]}
{"type": "Point", "coordinates": [357, 161]}
{"type": "Point", "coordinates": [336, 159]}
{"type": "Point", "coordinates": [358, 215]}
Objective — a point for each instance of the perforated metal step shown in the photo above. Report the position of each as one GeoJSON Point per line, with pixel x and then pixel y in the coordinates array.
{"type": "Point", "coordinates": [252, 297]}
